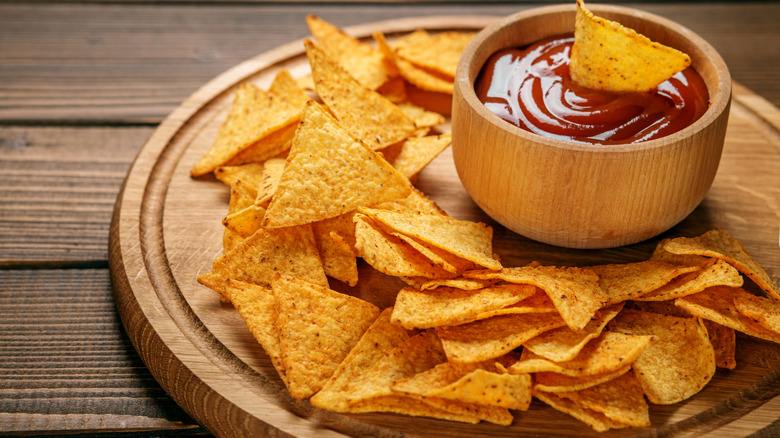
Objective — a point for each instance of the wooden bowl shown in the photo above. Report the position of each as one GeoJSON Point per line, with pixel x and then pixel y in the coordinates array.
{"type": "Point", "coordinates": [580, 195]}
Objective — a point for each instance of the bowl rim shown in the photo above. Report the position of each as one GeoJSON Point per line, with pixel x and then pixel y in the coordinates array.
{"type": "Point", "coordinates": [464, 80]}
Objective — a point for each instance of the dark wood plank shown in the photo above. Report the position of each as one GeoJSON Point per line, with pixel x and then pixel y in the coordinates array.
{"type": "Point", "coordinates": [65, 358]}
{"type": "Point", "coordinates": [58, 190]}
{"type": "Point", "coordinates": [135, 62]}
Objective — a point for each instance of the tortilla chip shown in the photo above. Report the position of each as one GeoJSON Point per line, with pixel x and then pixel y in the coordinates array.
{"type": "Point", "coordinates": [596, 420]}
{"type": "Point", "coordinates": [378, 341]}
{"type": "Point", "coordinates": [250, 173]}
{"type": "Point", "coordinates": [416, 153]}
{"type": "Point", "coordinates": [329, 173]}
{"type": "Point", "coordinates": [574, 291]}
{"type": "Point", "coordinates": [391, 255]}
{"type": "Point", "coordinates": [608, 56]}
{"type": "Point", "coordinates": [620, 399]}
{"type": "Point", "coordinates": [764, 311]}
{"type": "Point", "coordinates": [363, 61]}
{"type": "Point", "coordinates": [471, 383]}
{"type": "Point", "coordinates": [450, 306]}
{"type": "Point", "coordinates": [562, 344]}
{"type": "Point", "coordinates": [493, 337]}
{"type": "Point", "coordinates": [715, 273]}
{"type": "Point", "coordinates": [246, 221]}
{"type": "Point", "coordinates": [333, 237]}
{"type": "Point", "coordinates": [608, 353]}
{"type": "Point", "coordinates": [253, 115]}
{"type": "Point", "coordinates": [723, 340]}
{"type": "Point", "coordinates": [621, 282]}
{"type": "Point", "coordinates": [416, 201]}
{"type": "Point", "coordinates": [422, 117]}
{"type": "Point", "coordinates": [421, 78]}
{"type": "Point", "coordinates": [717, 305]}
{"type": "Point", "coordinates": [471, 241]}
{"type": "Point", "coordinates": [255, 304]}
{"type": "Point", "coordinates": [275, 144]}
{"type": "Point", "coordinates": [290, 251]}
{"type": "Point", "coordinates": [242, 195]}
{"type": "Point", "coordinates": [421, 283]}
{"type": "Point", "coordinates": [555, 382]}
{"type": "Point", "coordinates": [437, 53]}
{"type": "Point", "coordinates": [269, 182]}
{"type": "Point", "coordinates": [718, 243]}
{"type": "Point", "coordinates": [679, 364]}
{"type": "Point", "coordinates": [317, 329]}
{"type": "Point", "coordinates": [368, 115]}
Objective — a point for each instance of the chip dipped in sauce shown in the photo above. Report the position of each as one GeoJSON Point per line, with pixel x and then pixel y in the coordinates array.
{"type": "Point", "coordinates": [531, 87]}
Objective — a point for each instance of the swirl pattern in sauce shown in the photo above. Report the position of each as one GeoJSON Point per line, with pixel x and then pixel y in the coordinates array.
{"type": "Point", "coordinates": [531, 88]}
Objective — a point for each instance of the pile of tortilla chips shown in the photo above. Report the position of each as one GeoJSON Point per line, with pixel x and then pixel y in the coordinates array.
{"type": "Point", "coordinates": [323, 177]}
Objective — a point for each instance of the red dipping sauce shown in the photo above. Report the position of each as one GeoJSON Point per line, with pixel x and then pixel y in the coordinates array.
{"type": "Point", "coordinates": [530, 87]}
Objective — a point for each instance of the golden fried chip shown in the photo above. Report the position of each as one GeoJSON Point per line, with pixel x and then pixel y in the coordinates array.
{"type": "Point", "coordinates": [574, 291]}
{"type": "Point", "coordinates": [245, 221]}
{"type": "Point", "coordinates": [437, 53]}
{"type": "Point", "coordinates": [391, 255]}
{"type": "Point", "coordinates": [422, 117]}
{"type": "Point", "coordinates": [337, 254]}
{"type": "Point", "coordinates": [274, 145]}
{"type": "Point", "coordinates": [255, 304]}
{"type": "Point", "coordinates": [718, 243]}
{"type": "Point", "coordinates": [450, 306]}
{"type": "Point", "coordinates": [377, 342]}
{"type": "Point", "coordinates": [471, 241]}
{"type": "Point", "coordinates": [723, 340]}
{"type": "Point", "coordinates": [717, 305]}
{"type": "Point", "coordinates": [242, 195]}
{"type": "Point", "coordinates": [620, 399]}
{"type": "Point", "coordinates": [440, 257]}
{"type": "Point", "coordinates": [596, 420]}
{"type": "Point", "coordinates": [250, 173]}
{"type": "Point", "coordinates": [253, 115]}
{"type": "Point", "coordinates": [416, 153]}
{"type": "Point", "coordinates": [329, 173]}
{"type": "Point", "coordinates": [269, 181]}
{"type": "Point", "coordinates": [416, 201]}
{"type": "Point", "coordinates": [478, 383]}
{"type": "Point", "coordinates": [562, 344]}
{"type": "Point", "coordinates": [363, 61]}
{"type": "Point", "coordinates": [715, 273]}
{"type": "Point", "coordinates": [421, 283]}
{"type": "Point", "coordinates": [317, 329]}
{"type": "Point", "coordinates": [493, 337]}
{"type": "Point", "coordinates": [608, 353]}
{"type": "Point", "coordinates": [290, 251]}
{"type": "Point", "coordinates": [608, 56]}
{"type": "Point", "coordinates": [764, 311]}
{"type": "Point", "coordinates": [421, 78]}
{"type": "Point", "coordinates": [623, 282]}
{"type": "Point", "coordinates": [679, 364]}
{"type": "Point", "coordinates": [555, 382]}
{"type": "Point", "coordinates": [368, 115]}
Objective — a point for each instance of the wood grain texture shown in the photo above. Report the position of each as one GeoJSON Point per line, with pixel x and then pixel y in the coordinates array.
{"type": "Point", "coordinates": [166, 230]}
{"type": "Point", "coordinates": [124, 62]}
{"type": "Point", "coordinates": [57, 191]}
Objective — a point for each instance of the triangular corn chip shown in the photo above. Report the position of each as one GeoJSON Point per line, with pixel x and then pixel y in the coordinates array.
{"type": "Point", "coordinates": [363, 61]}
{"type": "Point", "coordinates": [681, 361]}
{"type": "Point", "coordinates": [719, 243]}
{"type": "Point", "coordinates": [255, 304]}
{"type": "Point", "coordinates": [620, 399]}
{"type": "Point", "coordinates": [368, 115]}
{"type": "Point", "coordinates": [329, 173]}
{"type": "Point", "coordinates": [317, 329]}
{"type": "Point", "coordinates": [254, 115]}
{"type": "Point", "coordinates": [608, 56]}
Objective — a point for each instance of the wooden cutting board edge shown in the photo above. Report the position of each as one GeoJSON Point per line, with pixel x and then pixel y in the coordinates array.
{"type": "Point", "coordinates": [197, 371]}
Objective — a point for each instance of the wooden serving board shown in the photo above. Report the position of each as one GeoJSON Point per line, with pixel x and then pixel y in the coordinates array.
{"type": "Point", "coordinates": [167, 229]}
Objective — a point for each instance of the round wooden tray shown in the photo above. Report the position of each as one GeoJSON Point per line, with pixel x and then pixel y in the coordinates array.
{"type": "Point", "coordinates": [167, 229]}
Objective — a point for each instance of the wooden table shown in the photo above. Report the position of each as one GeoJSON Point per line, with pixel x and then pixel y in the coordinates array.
{"type": "Point", "coordinates": [82, 86]}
